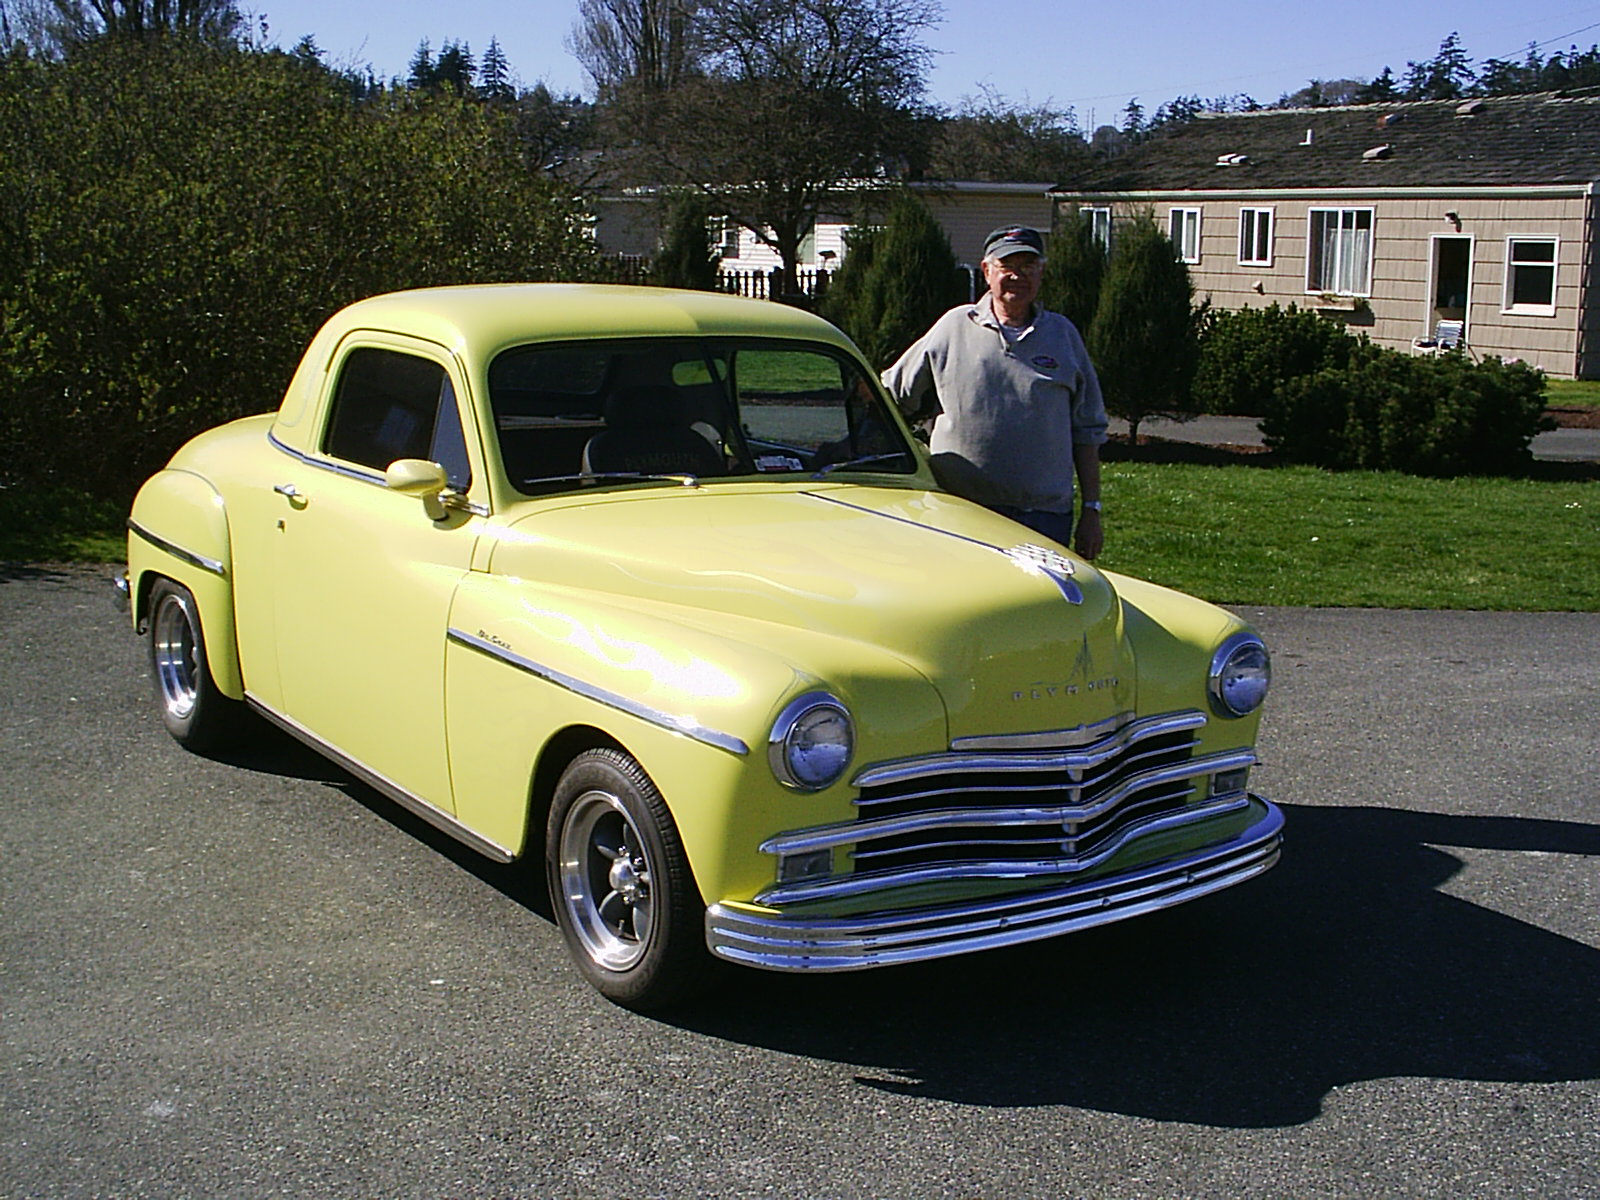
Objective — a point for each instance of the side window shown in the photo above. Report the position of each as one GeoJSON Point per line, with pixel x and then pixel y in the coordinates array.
{"type": "Point", "coordinates": [1255, 237]}
{"type": "Point", "coordinates": [1184, 230]}
{"type": "Point", "coordinates": [389, 405]}
{"type": "Point", "coordinates": [1531, 275]}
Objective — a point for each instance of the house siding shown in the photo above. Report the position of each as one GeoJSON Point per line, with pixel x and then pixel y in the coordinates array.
{"type": "Point", "coordinates": [1405, 230]}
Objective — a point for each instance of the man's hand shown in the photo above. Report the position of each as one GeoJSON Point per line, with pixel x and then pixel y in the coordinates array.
{"type": "Point", "coordinates": [1090, 538]}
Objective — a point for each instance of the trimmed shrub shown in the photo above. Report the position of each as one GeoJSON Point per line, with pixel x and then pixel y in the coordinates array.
{"type": "Point", "coordinates": [1388, 411]}
{"type": "Point", "coordinates": [905, 279]}
{"type": "Point", "coordinates": [686, 259]}
{"type": "Point", "coordinates": [1248, 353]}
{"type": "Point", "coordinates": [1143, 337]}
{"type": "Point", "coordinates": [1074, 270]}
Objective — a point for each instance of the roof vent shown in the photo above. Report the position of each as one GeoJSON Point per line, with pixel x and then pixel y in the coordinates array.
{"type": "Point", "coordinates": [1389, 119]}
{"type": "Point", "coordinates": [1308, 138]}
{"type": "Point", "coordinates": [1232, 160]}
{"type": "Point", "coordinates": [1469, 108]}
{"type": "Point", "coordinates": [1376, 153]}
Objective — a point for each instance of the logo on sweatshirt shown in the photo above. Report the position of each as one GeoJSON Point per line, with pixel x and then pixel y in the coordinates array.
{"type": "Point", "coordinates": [1045, 362]}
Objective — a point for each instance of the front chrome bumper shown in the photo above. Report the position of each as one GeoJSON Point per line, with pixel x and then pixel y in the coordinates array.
{"type": "Point", "coordinates": [785, 943]}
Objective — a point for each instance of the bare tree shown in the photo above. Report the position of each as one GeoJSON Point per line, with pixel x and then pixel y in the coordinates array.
{"type": "Point", "coordinates": [799, 102]}
{"type": "Point", "coordinates": [78, 21]}
{"type": "Point", "coordinates": [653, 43]}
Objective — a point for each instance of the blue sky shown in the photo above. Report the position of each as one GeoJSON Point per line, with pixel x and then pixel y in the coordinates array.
{"type": "Point", "coordinates": [1090, 57]}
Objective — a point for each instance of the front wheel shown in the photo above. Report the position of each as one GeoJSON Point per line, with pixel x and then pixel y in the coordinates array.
{"type": "Point", "coordinates": [621, 887]}
{"type": "Point", "coordinates": [196, 713]}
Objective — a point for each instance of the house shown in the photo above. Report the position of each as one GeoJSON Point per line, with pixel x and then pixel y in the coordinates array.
{"type": "Point", "coordinates": [1388, 217]}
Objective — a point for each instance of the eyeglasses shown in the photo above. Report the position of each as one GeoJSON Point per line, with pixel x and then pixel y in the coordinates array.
{"type": "Point", "coordinates": [1019, 264]}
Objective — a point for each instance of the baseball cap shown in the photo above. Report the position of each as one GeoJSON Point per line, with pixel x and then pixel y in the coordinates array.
{"type": "Point", "coordinates": [1013, 239]}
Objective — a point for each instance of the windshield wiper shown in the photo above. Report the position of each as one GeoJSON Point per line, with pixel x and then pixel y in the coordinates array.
{"type": "Point", "coordinates": [864, 460]}
{"type": "Point", "coordinates": [682, 478]}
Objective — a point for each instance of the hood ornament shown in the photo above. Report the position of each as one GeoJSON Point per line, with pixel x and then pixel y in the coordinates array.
{"type": "Point", "coordinates": [1041, 560]}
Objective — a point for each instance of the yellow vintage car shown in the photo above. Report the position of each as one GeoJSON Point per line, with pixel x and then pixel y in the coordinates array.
{"type": "Point", "coordinates": [658, 587]}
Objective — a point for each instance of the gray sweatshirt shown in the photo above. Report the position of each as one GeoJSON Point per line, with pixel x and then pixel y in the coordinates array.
{"type": "Point", "coordinates": [1010, 412]}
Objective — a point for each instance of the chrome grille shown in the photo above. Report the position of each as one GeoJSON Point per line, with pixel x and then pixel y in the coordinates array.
{"type": "Point", "coordinates": [1003, 807]}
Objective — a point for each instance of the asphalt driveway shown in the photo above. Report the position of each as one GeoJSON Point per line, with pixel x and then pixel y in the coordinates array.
{"type": "Point", "coordinates": [254, 978]}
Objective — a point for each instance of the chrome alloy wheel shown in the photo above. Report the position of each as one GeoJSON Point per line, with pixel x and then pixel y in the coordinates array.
{"type": "Point", "coordinates": [605, 878]}
{"type": "Point", "coordinates": [175, 654]}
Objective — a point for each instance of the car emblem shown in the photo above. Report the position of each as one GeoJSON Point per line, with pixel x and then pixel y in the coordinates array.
{"type": "Point", "coordinates": [1041, 560]}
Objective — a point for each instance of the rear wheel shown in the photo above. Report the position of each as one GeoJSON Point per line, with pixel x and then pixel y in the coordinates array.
{"type": "Point", "coordinates": [621, 886]}
{"type": "Point", "coordinates": [195, 712]}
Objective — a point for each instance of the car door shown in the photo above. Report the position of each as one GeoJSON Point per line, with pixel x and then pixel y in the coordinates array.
{"type": "Point", "coordinates": [365, 575]}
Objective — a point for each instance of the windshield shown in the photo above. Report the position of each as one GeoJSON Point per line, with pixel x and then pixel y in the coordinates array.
{"type": "Point", "coordinates": [576, 413]}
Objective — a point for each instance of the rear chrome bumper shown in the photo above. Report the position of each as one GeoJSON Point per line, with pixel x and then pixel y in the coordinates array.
{"type": "Point", "coordinates": [782, 943]}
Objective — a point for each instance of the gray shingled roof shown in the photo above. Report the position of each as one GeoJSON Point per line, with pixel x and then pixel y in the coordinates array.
{"type": "Point", "coordinates": [1498, 141]}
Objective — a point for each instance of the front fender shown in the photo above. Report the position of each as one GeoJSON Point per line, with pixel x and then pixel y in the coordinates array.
{"type": "Point", "coordinates": [178, 530]}
{"type": "Point", "coordinates": [693, 704]}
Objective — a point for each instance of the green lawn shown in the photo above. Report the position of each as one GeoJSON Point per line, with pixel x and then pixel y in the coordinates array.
{"type": "Point", "coordinates": [1301, 536]}
{"type": "Point", "coordinates": [1237, 535]}
{"type": "Point", "coordinates": [1572, 393]}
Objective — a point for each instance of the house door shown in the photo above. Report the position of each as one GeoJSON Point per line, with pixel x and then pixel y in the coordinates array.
{"type": "Point", "coordinates": [1451, 280]}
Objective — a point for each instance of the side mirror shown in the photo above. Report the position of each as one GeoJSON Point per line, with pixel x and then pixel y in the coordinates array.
{"type": "Point", "coordinates": [421, 478]}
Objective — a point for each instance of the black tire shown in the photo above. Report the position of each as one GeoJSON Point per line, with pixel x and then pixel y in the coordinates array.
{"type": "Point", "coordinates": [197, 715]}
{"type": "Point", "coordinates": [620, 884]}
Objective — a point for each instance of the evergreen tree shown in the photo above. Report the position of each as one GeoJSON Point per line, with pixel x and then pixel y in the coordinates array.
{"type": "Point", "coordinates": [420, 74]}
{"type": "Point", "coordinates": [494, 74]}
{"type": "Point", "coordinates": [685, 260]}
{"type": "Point", "coordinates": [1380, 90]}
{"type": "Point", "coordinates": [1144, 337]}
{"type": "Point", "coordinates": [1074, 270]}
{"type": "Point", "coordinates": [454, 69]}
{"type": "Point", "coordinates": [910, 279]}
{"type": "Point", "coordinates": [1447, 75]}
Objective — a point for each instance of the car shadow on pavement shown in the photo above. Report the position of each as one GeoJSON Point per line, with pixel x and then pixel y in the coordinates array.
{"type": "Point", "coordinates": [1345, 963]}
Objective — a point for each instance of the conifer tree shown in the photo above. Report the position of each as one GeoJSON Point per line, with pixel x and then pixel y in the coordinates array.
{"type": "Point", "coordinates": [1074, 270]}
{"type": "Point", "coordinates": [1144, 337]}
{"type": "Point", "coordinates": [910, 280]}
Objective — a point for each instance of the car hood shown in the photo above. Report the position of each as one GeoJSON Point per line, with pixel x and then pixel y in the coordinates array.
{"type": "Point", "coordinates": [1016, 635]}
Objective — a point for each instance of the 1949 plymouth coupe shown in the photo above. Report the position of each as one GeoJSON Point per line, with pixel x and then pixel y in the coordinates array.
{"type": "Point", "coordinates": [659, 586]}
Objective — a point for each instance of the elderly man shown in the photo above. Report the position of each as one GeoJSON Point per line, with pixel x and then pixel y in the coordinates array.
{"type": "Point", "coordinates": [1017, 403]}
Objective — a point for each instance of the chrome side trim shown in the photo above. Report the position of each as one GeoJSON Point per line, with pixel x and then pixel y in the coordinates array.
{"type": "Point", "coordinates": [832, 887]}
{"type": "Point", "coordinates": [781, 942]}
{"type": "Point", "coordinates": [451, 500]}
{"type": "Point", "coordinates": [959, 761]}
{"type": "Point", "coordinates": [684, 725]}
{"type": "Point", "coordinates": [322, 464]}
{"type": "Point", "coordinates": [189, 556]}
{"type": "Point", "coordinates": [413, 804]}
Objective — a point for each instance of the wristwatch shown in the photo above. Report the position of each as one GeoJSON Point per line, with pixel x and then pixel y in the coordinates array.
{"type": "Point", "coordinates": [1091, 506]}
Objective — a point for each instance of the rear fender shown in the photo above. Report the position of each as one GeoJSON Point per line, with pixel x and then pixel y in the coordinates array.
{"type": "Point", "coordinates": [179, 530]}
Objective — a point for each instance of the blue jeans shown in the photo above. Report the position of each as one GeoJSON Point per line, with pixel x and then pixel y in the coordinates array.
{"type": "Point", "coordinates": [1054, 525]}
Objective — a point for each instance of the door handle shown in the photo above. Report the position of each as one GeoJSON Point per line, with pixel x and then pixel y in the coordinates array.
{"type": "Point", "coordinates": [292, 494]}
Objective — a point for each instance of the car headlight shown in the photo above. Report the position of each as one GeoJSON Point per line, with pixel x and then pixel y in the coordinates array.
{"type": "Point", "coordinates": [1241, 669]}
{"type": "Point", "coordinates": [811, 742]}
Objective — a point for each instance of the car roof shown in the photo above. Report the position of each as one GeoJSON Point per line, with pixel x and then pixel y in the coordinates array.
{"type": "Point", "coordinates": [480, 320]}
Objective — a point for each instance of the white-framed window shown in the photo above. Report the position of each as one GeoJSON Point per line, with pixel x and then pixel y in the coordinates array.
{"type": "Point", "coordinates": [1100, 224]}
{"type": "Point", "coordinates": [1255, 237]}
{"type": "Point", "coordinates": [1184, 230]}
{"type": "Point", "coordinates": [1531, 275]}
{"type": "Point", "coordinates": [728, 237]}
{"type": "Point", "coordinates": [1339, 251]}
